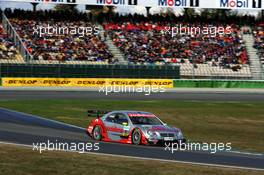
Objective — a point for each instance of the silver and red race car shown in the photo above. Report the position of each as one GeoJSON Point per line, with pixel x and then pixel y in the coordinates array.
{"type": "Point", "coordinates": [132, 127]}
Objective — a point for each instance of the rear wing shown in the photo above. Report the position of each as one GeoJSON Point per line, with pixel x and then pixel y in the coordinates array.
{"type": "Point", "coordinates": [96, 113]}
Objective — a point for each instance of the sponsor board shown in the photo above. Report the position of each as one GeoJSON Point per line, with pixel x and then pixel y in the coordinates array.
{"type": "Point", "coordinates": [238, 4]}
{"type": "Point", "coordinates": [84, 82]}
{"type": "Point", "coordinates": [223, 4]}
{"type": "Point", "coordinates": [178, 3]}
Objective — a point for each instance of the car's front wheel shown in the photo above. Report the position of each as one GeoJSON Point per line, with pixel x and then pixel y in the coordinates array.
{"type": "Point", "coordinates": [136, 137]}
{"type": "Point", "coordinates": [97, 133]}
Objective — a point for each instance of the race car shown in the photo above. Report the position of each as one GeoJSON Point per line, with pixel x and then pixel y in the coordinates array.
{"type": "Point", "coordinates": [132, 127]}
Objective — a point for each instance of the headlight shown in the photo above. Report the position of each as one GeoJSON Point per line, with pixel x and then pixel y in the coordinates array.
{"type": "Point", "coordinates": [151, 133]}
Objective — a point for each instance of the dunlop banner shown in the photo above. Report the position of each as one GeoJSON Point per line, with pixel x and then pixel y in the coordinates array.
{"type": "Point", "coordinates": [84, 82]}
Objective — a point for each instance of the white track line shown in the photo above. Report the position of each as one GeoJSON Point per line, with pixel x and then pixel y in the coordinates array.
{"type": "Point", "coordinates": [142, 158]}
{"type": "Point", "coordinates": [246, 153]}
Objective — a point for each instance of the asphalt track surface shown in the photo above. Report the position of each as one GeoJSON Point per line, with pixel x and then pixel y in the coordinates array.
{"type": "Point", "coordinates": [174, 94]}
{"type": "Point", "coordinates": [21, 128]}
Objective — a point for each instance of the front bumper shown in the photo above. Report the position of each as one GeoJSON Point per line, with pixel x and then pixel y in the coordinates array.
{"type": "Point", "coordinates": [163, 141]}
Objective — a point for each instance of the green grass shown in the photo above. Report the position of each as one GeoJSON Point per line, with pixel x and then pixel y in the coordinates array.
{"type": "Point", "coordinates": [24, 161]}
{"type": "Point", "coordinates": [241, 123]}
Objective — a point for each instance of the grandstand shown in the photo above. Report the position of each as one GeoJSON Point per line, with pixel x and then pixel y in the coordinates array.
{"type": "Point", "coordinates": [135, 41]}
{"type": "Point", "coordinates": [144, 43]}
{"type": "Point", "coordinates": [258, 32]}
{"type": "Point", "coordinates": [8, 51]}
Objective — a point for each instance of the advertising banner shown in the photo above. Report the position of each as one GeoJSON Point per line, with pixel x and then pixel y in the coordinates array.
{"type": "Point", "coordinates": [215, 4]}
{"type": "Point", "coordinates": [84, 82]}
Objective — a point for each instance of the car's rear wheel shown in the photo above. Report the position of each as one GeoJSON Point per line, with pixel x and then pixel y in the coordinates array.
{"type": "Point", "coordinates": [136, 137]}
{"type": "Point", "coordinates": [97, 133]}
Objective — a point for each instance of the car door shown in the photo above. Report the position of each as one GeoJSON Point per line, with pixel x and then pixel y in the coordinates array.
{"type": "Point", "coordinates": [122, 125]}
{"type": "Point", "coordinates": [110, 125]}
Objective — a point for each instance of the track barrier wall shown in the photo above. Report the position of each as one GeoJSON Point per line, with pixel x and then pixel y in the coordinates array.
{"type": "Point", "coordinates": [254, 84]}
{"type": "Point", "coordinates": [89, 71]}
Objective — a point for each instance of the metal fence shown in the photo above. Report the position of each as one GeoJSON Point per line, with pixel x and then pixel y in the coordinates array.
{"type": "Point", "coordinates": [11, 32]}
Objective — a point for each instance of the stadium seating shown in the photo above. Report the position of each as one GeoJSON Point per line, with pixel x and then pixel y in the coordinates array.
{"type": "Point", "coordinates": [142, 42]}
{"type": "Point", "coordinates": [146, 43]}
{"type": "Point", "coordinates": [70, 48]}
{"type": "Point", "coordinates": [8, 51]}
{"type": "Point", "coordinates": [258, 32]}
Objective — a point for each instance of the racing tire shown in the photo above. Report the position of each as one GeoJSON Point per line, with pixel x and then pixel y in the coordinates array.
{"type": "Point", "coordinates": [97, 133]}
{"type": "Point", "coordinates": [136, 137]}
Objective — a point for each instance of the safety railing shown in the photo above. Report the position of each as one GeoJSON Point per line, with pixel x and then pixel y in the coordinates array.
{"type": "Point", "coordinates": [11, 32]}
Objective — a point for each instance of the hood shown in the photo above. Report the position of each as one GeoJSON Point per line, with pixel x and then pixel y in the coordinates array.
{"type": "Point", "coordinates": [159, 128]}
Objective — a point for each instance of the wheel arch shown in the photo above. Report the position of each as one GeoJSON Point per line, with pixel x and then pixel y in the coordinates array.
{"type": "Point", "coordinates": [144, 140]}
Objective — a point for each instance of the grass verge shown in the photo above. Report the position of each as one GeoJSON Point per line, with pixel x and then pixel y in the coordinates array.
{"type": "Point", "coordinates": [23, 161]}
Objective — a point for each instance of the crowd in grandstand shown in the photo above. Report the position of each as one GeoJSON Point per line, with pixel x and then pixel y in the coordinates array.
{"type": "Point", "coordinates": [62, 47]}
{"type": "Point", "coordinates": [146, 42]}
{"type": "Point", "coordinates": [141, 39]}
{"type": "Point", "coordinates": [7, 46]}
{"type": "Point", "coordinates": [258, 32]}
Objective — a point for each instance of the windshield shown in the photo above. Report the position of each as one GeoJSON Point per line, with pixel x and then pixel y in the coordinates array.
{"type": "Point", "coordinates": [143, 120]}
